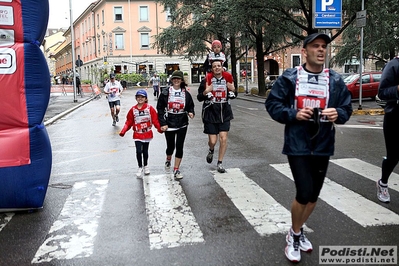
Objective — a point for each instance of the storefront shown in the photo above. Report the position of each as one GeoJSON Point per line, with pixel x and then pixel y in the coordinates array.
{"type": "Point", "coordinates": [197, 72]}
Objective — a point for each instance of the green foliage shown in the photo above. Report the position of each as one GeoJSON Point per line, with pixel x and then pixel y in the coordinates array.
{"type": "Point", "coordinates": [380, 35]}
{"type": "Point", "coordinates": [86, 81]}
{"type": "Point", "coordinates": [271, 26]}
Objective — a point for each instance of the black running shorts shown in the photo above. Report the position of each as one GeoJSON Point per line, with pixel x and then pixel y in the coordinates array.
{"type": "Point", "coordinates": [215, 128]}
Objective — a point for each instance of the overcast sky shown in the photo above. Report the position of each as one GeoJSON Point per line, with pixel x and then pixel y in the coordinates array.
{"type": "Point", "coordinates": [59, 11]}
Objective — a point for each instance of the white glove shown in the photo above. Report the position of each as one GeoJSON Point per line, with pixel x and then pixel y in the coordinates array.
{"type": "Point", "coordinates": [232, 95]}
{"type": "Point", "coordinates": [210, 95]}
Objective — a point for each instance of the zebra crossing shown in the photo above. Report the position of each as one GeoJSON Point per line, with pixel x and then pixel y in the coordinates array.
{"type": "Point", "coordinates": [172, 223]}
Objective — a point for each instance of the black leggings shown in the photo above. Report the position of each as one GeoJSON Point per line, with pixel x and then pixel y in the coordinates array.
{"type": "Point", "coordinates": [391, 136]}
{"type": "Point", "coordinates": [175, 139]}
{"type": "Point", "coordinates": [309, 173]}
{"type": "Point", "coordinates": [142, 152]}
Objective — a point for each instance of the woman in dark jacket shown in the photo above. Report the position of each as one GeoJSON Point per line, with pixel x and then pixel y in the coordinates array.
{"type": "Point", "coordinates": [175, 105]}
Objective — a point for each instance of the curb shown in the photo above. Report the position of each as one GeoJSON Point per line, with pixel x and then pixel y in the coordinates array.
{"type": "Point", "coordinates": [369, 112]}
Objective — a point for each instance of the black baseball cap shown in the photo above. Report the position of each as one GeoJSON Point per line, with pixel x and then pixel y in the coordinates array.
{"type": "Point", "coordinates": [314, 36]}
{"type": "Point", "coordinates": [112, 76]}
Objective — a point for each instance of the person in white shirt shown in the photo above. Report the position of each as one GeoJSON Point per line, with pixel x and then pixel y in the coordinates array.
{"type": "Point", "coordinates": [113, 90]}
{"type": "Point", "coordinates": [154, 81]}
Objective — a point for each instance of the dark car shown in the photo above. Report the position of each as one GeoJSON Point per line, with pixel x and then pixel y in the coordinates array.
{"type": "Point", "coordinates": [370, 83]}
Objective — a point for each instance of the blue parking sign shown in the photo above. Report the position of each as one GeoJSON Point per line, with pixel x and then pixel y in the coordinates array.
{"type": "Point", "coordinates": [327, 14]}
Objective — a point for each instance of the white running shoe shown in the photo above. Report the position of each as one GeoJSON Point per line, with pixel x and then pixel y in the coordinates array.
{"type": "Point", "coordinates": [383, 193]}
{"type": "Point", "coordinates": [292, 250]}
{"type": "Point", "coordinates": [221, 168]}
{"type": "Point", "coordinates": [167, 165]}
{"type": "Point", "coordinates": [304, 243]}
{"type": "Point", "coordinates": [146, 170]}
{"type": "Point", "coordinates": [139, 172]}
{"type": "Point", "coordinates": [178, 175]}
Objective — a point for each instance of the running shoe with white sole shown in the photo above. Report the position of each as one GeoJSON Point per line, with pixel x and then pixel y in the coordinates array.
{"type": "Point", "coordinates": [177, 175]}
{"type": "Point", "coordinates": [146, 170]}
{"type": "Point", "coordinates": [221, 168]}
{"type": "Point", "coordinates": [209, 157]}
{"type": "Point", "coordinates": [167, 165]}
{"type": "Point", "coordinates": [383, 193]}
{"type": "Point", "coordinates": [304, 243]}
{"type": "Point", "coordinates": [139, 172]}
{"type": "Point", "coordinates": [292, 250]}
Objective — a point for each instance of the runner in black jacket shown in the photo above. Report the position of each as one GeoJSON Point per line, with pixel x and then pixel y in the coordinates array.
{"type": "Point", "coordinates": [216, 113]}
{"type": "Point", "coordinates": [389, 91]}
{"type": "Point", "coordinates": [175, 105]}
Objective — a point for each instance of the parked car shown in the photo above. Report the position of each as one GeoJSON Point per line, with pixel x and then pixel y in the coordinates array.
{"type": "Point", "coordinates": [345, 75]}
{"type": "Point", "coordinates": [370, 83]}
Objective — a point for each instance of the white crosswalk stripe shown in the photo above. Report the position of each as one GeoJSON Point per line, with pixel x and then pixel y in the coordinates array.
{"type": "Point", "coordinates": [5, 218]}
{"type": "Point", "coordinates": [72, 234]}
{"type": "Point", "coordinates": [260, 209]}
{"type": "Point", "coordinates": [367, 170]}
{"type": "Point", "coordinates": [353, 205]}
{"type": "Point", "coordinates": [172, 223]}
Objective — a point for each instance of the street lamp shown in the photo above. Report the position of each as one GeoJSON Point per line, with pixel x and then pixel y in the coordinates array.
{"type": "Point", "coordinates": [73, 51]}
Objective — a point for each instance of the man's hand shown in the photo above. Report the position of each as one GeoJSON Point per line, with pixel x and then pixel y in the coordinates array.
{"type": "Point", "coordinates": [305, 113]}
{"type": "Point", "coordinates": [330, 113]}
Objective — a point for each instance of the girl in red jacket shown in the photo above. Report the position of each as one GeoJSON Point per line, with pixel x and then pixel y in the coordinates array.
{"type": "Point", "coordinates": [141, 118]}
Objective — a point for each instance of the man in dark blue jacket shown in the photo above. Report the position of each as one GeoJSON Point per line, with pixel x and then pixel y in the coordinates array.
{"type": "Point", "coordinates": [308, 99]}
{"type": "Point", "coordinates": [389, 91]}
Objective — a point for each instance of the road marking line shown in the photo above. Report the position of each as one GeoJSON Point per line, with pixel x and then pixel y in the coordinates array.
{"type": "Point", "coordinates": [171, 222]}
{"type": "Point", "coordinates": [367, 170]}
{"type": "Point", "coordinates": [72, 234]}
{"type": "Point", "coordinates": [360, 126]}
{"type": "Point", "coordinates": [361, 210]}
{"type": "Point", "coordinates": [260, 209]}
{"type": "Point", "coordinates": [5, 218]}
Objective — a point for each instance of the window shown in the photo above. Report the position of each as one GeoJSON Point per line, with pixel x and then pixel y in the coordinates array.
{"type": "Point", "coordinates": [365, 79]}
{"type": "Point", "coordinates": [296, 60]}
{"type": "Point", "coordinates": [99, 45]}
{"type": "Point", "coordinates": [119, 43]}
{"type": "Point", "coordinates": [103, 16]}
{"type": "Point", "coordinates": [98, 21]}
{"type": "Point", "coordinates": [118, 13]}
{"type": "Point", "coordinates": [377, 77]}
{"type": "Point", "coordinates": [169, 15]}
{"type": "Point", "coordinates": [143, 13]}
{"type": "Point", "coordinates": [145, 40]}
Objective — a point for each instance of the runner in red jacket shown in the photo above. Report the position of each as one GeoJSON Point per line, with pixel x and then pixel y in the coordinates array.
{"type": "Point", "coordinates": [141, 118]}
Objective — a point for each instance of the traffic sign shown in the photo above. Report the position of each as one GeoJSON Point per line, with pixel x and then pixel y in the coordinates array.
{"type": "Point", "coordinates": [79, 63]}
{"type": "Point", "coordinates": [327, 14]}
{"type": "Point", "coordinates": [361, 18]}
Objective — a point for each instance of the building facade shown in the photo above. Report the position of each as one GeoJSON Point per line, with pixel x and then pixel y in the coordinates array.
{"type": "Point", "coordinates": [117, 36]}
